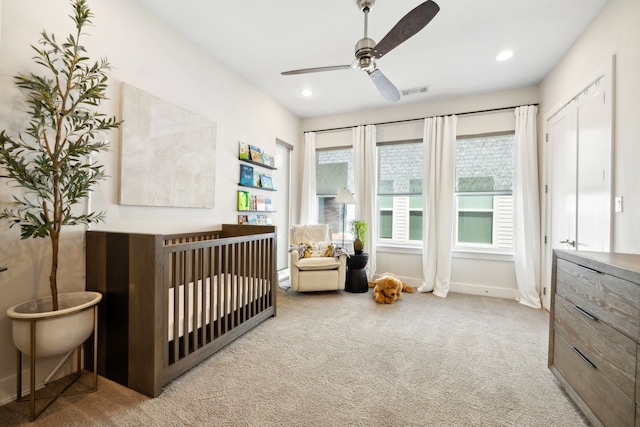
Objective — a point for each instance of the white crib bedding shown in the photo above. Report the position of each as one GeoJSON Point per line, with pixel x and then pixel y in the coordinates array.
{"type": "Point", "coordinates": [231, 300]}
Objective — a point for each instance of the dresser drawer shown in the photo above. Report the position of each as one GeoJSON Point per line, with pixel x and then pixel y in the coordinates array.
{"type": "Point", "coordinates": [606, 400]}
{"type": "Point", "coordinates": [609, 299]}
{"type": "Point", "coordinates": [612, 353]}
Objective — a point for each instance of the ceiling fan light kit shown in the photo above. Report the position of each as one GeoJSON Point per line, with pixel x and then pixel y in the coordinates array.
{"type": "Point", "coordinates": [367, 50]}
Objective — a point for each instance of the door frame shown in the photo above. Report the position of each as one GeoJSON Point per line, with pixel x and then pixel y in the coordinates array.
{"type": "Point", "coordinates": [283, 232]}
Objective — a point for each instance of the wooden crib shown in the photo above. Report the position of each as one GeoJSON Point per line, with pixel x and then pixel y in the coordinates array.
{"type": "Point", "coordinates": [171, 301]}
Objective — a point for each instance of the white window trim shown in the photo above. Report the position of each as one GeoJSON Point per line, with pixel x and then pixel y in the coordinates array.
{"type": "Point", "coordinates": [491, 255]}
{"type": "Point", "coordinates": [399, 248]}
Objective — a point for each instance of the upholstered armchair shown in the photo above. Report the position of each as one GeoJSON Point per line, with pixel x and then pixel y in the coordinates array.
{"type": "Point", "coordinates": [315, 272]}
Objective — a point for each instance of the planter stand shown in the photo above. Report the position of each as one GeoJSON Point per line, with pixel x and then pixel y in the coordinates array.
{"type": "Point", "coordinates": [32, 361]}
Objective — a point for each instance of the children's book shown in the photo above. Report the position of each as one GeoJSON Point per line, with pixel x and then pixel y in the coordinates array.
{"type": "Point", "coordinates": [260, 206]}
{"type": "Point", "coordinates": [267, 159]}
{"type": "Point", "coordinates": [244, 150]}
{"type": "Point", "coordinates": [243, 200]}
{"type": "Point", "coordinates": [256, 154]}
{"type": "Point", "coordinates": [256, 180]}
{"type": "Point", "coordinates": [246, 175]}
{"type": "Point", "coordinates": [266, 181]}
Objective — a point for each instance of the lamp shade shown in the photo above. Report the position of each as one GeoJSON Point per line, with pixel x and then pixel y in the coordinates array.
{"type": "Point", "coordinates": [345, 197]}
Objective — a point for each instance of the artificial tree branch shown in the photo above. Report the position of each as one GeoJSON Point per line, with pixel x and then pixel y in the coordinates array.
{"type": "Point", "coordinates": [49, 165]}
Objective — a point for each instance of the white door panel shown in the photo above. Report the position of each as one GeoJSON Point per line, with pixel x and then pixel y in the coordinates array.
{"type": "Point", "coordinates": [562, 142]}
{"type": "Point", "coordinates": [594, 173]}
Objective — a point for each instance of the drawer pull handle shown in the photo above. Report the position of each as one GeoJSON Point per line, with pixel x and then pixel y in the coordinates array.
{"type": "Point", "coordinates": [590, 269]}
{"type": "Point", "coordinates": [585, 312]}
{"type": "Point", "coordinates": [583, 357]}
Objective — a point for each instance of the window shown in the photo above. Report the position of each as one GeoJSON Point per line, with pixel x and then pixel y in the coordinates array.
{"type": "Point", "coordinates": [334, 171]}
{"type": "Point", "coordinates": [400, 192]}
{"type": "Point", "coordinates": [484, 185]}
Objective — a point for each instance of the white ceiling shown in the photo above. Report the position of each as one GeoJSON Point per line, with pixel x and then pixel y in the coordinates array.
{"type": "Point", "coordinates": [454, 55]}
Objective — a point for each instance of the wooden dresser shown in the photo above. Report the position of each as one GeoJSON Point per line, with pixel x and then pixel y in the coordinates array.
{"type": "Point", "coordinates": [594, 333]}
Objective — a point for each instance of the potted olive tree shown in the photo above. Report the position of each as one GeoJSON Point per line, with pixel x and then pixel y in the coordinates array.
{"type": "Point", "coordinates": [51, 165]}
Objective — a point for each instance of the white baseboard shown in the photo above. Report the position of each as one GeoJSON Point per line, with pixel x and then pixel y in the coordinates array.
{"type": "Point", "coordinates": [9, 383]}
{"type": "Point", "coordinates": [488, 291]}
{"type": "Point", "coordinates": [466, 288]}
{"type": "Point", "coordinates": [8, 392]}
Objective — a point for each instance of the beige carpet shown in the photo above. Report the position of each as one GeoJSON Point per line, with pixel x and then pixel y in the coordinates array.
{"type": "Point", "coordinates": [340, 359]}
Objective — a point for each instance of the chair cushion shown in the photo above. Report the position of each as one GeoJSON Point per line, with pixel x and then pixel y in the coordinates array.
{"type": "Point", "coordinates": [310, 233]}
{"type": "Point", "coordinates": [318, 263]}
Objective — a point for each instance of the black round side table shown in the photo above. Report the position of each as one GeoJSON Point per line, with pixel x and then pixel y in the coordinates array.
{"type": "Point", "coordinates": [356, 274]}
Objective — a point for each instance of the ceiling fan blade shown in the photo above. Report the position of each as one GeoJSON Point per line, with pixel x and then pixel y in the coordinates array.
{"type": "Point", "coordinates": [316, 70]}
{"type": "Point", "coordinates": [409, 25]}
{"type": "Point", "coordinates": [386, 88]}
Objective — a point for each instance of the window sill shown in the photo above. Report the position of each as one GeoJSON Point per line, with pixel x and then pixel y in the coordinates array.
{"type": "Point", "coordinates": [487, 255]}
{"type": "Point", "coordinates": [411, 249]}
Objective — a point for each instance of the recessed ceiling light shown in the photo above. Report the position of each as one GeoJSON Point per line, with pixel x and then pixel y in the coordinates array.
{"type": "Point", "coordinates": [306, 92]}
{"type": "Point", "coordinates": [504, 55]}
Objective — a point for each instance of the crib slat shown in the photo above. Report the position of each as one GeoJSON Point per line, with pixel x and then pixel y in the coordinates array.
{"type": "Point", "coordinates": [176, 305]}
{"type": "Point", "coordinates": [246, 264]}
{"type": "Point", "coordinates": [260, 274]}
{"type": "Point", "coordinates": [224, 295]}
{"type": "Point", "coordinates": [185, 303]}
{"type": "Point", "coordinates": [255, 274]}
{"type": "Point", "coordinates": [195, 279]}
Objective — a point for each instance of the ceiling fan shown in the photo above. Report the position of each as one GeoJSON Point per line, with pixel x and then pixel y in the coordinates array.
{"type": "Point", "coordinates": [367, 51]}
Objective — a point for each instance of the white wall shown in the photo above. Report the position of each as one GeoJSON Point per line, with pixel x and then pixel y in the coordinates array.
{"type": "Point", "coordinates": [615, 32]}
{"type": "Point", "coordinates": [476, 274]}
{"type": "Point", "coordinates": [147, 54]}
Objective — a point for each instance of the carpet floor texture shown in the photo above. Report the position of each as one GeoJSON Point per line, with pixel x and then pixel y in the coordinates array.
{"type": "Point", "coordinates": [341, 359]}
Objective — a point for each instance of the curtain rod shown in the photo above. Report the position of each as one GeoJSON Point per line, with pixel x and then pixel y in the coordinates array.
{"type": "Point", "coordinates": [413, 120]}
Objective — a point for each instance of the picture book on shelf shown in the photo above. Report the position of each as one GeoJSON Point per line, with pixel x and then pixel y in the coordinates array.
{"type": "Point", "coordinates": [260, 205]}
{"type": "Point", "coordinates": [267, 159]}
{"type": "Point", "coordinates": [268, 204]}
{"type": "Point", "coordinates": [266, 181]}
{"type": "Point", "coordinates": [243, 200]}
{"type": "Point", "coordinates": [244, 150]}
{"type": "Point", "coordinates": [256, 180]}
{"type": "Point", "coordinates": [243, 219]}
{"type": "Point", "coordinates": [246, 175]}
{"type": "Point", "coordinates": [256, 153]}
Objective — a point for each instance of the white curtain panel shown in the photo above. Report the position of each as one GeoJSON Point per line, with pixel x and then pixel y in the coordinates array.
{"type": "Point", "coordinates": [437, 189]}
{"type": "Point", "coordinates": [526, 208]}
{"type": "Point", "coordinates": [308, 200]}
{"type": "Point", "coordinates": [366, 187]}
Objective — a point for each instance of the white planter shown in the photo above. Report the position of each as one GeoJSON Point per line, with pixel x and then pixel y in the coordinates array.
{"type": "Point", "coordinates": [56, 332]}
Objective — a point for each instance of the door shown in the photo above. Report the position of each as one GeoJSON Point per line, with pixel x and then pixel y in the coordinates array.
{"type": "Point", "coordinates": [593, 214]}
{"type": "Point", "coordinates": [579, 168]}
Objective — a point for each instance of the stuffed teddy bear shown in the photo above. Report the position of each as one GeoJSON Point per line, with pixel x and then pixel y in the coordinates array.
{"type": "Point", "coordinates": [314, 249]}
{"type": "Point", "coordinates": [308, 250]}
{"type": "Point", "coordinates": [388, 288]}
{"type": "Point", "coordinates": [329, 251]}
